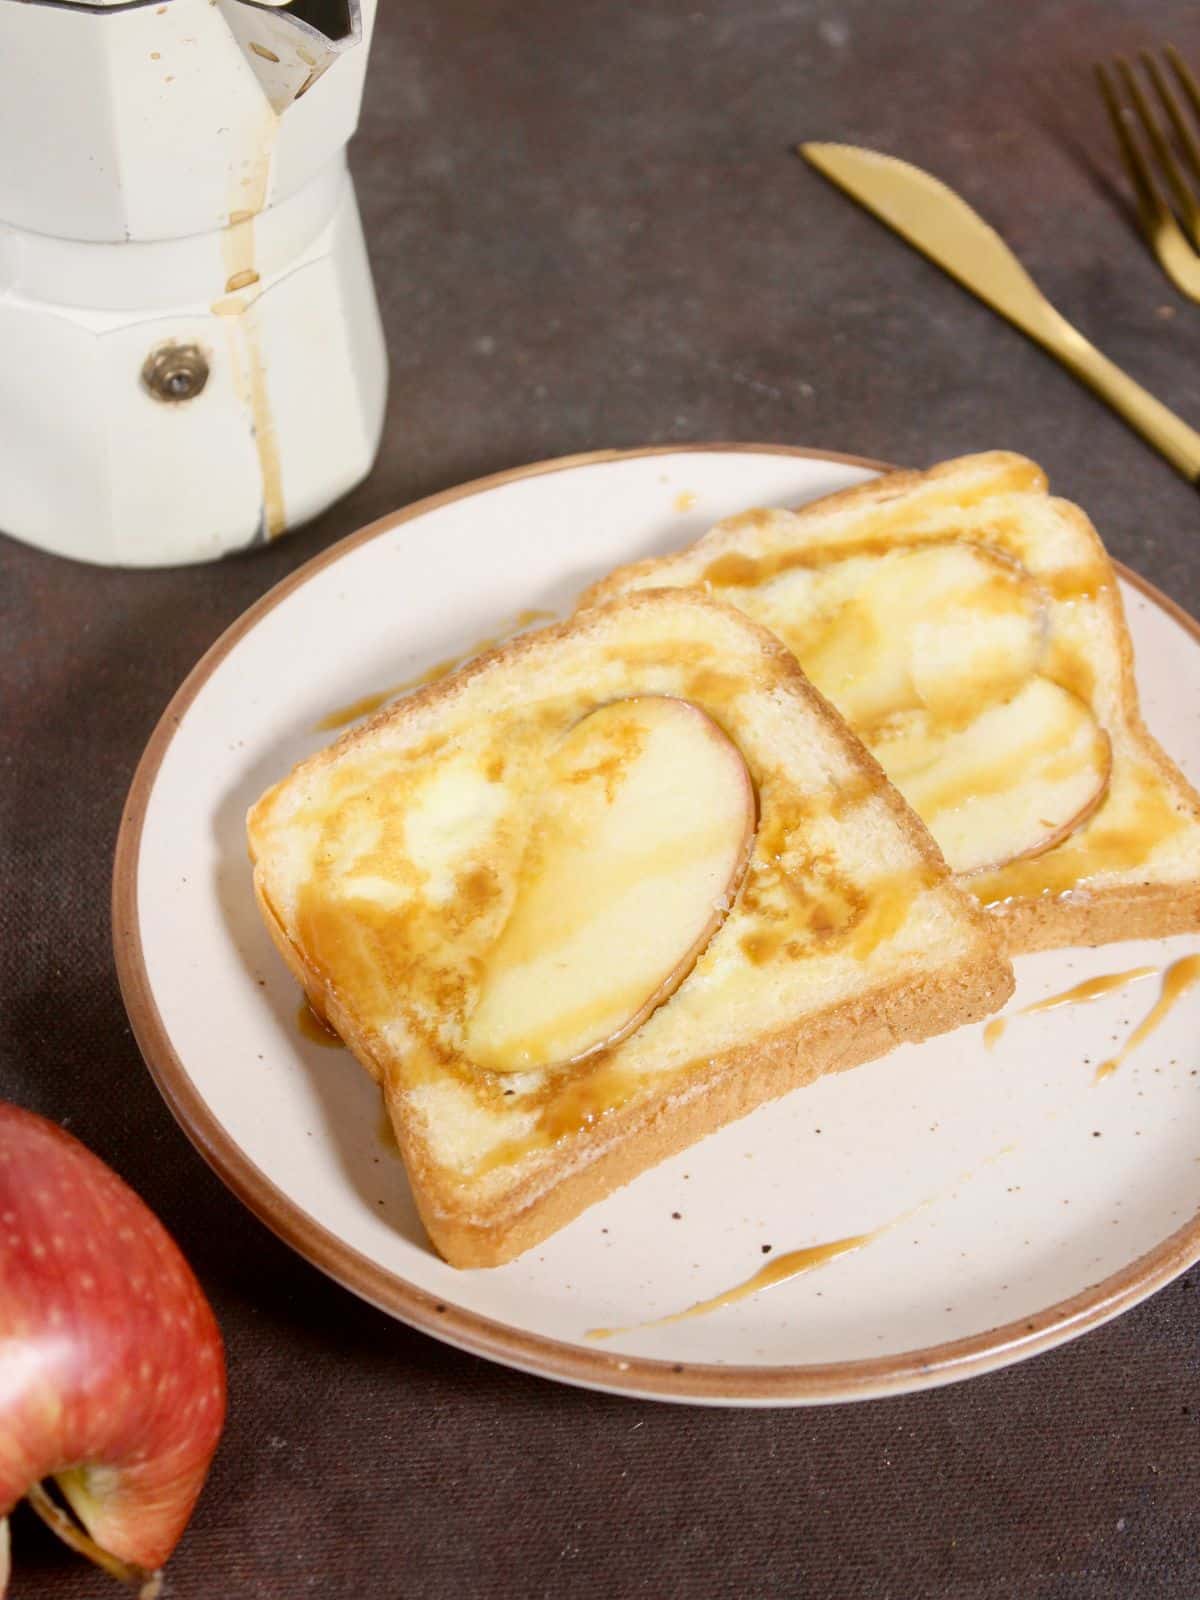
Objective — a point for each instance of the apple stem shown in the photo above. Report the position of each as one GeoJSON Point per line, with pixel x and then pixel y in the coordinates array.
{"type": "Point", "coordinates": [147, 1584]}
{"type": "Point", "coordinates": [4, 1562]}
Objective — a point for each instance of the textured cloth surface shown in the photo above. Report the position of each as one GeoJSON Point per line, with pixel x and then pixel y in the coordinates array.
{"type": "Point", "coordinates": [588, 230]}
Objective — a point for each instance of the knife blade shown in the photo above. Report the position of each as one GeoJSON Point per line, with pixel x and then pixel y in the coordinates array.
{"type": "Point", "coordinates": [932, 218]}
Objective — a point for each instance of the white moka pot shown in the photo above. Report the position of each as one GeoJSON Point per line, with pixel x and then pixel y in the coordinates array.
{"type": "Point", "coordinates": [191, 358]}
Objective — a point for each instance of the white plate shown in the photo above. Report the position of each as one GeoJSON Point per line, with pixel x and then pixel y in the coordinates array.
{"type": "Point", "coordinates": [1034, 1201]}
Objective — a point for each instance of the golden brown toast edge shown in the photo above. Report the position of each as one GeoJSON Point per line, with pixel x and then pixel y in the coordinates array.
{"type": "Point", "coordinates": [1025, 475]}
{"type": "Point", "coordinates": [1128, 911]}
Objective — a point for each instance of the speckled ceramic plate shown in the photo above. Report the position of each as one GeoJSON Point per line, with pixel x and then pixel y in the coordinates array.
{"type": "Point", "coordinates": [1004, 1199]}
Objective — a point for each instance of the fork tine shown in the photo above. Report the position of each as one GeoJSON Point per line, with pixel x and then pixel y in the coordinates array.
{"type": "Point", "coordinates": [1184, 75]}
{"type": "Point", "coordinates": [1166, 156]}
{"type": "Point", "coordinates": [1187, 141]}
{"type": "Point", "coordinates": [1151, 206]}
{"type": "Point", "coordinates": [1164, 235]}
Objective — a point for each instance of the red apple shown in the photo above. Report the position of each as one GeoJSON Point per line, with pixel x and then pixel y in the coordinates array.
{"type": "Point", "coordinates": [112, 1374]}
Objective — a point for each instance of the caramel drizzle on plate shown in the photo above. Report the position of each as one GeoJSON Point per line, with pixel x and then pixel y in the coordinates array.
{"type": "Point", "coordinates": [315, 1029]}
{"type": "Point", "coordinates": [1090, 989]}
{"type": "Point", "coordinates": [1078, 994]}
{"type": "Point", "coordinates": [1179, 977]}
{"type": "Point", "coordinates": [781, 1270]}
{"type": "Point", "coordinates": [343, 716]}
{"type": "Point", "coordinates": [794, 1263]}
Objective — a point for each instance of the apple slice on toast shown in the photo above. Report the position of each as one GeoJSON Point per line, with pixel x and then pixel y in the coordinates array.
{"type": "Point", "coordinates": [644, 826]}
{"type": "Point", "coordinates": [1010, 784]}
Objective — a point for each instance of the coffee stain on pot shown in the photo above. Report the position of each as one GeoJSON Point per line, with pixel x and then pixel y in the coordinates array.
{"type": "Point", "coordinates": [239, 308]}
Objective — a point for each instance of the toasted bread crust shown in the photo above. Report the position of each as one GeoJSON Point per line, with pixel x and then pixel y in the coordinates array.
{"type": "Point", "coordinates": [1102, 916]}
{"type": "Point", "coordinates": [1120, 911]}
{"type": "Point", "coordinates": [1011, 471]}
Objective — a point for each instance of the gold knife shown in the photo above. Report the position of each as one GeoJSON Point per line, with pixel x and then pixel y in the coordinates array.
{"type": "Point", "coordinates": [943, 227]}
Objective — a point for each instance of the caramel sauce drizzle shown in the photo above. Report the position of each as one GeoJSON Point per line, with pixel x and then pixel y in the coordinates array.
{"type": "Point", "coordinates": [1080, 994]}
{"type": "Point", "coordinates": [1110, 842]}
{"type": "Point", "coordinates": [1179, 977]}
{"type": "Point", "coordinates": [736, 570]}
{"type": "Point", "coordinates": [342, 716]}
{"type": "Point", "coordinates": [781, 1270]}
{"type": "Point", "coordinates": [797, 1262]}
{"type": "Point", "coordinates": [1091, 989]}
{"type": "Point", "coordinates": [315, 1029]}
{"type": "Point", "coordinates": [569, 1102]}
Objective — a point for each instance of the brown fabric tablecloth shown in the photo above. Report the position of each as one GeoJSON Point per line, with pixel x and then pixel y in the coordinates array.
{"type": "Point", "coordinates": [588, 230]}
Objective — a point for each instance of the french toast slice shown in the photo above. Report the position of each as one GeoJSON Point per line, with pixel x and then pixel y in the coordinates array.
{"type": "Point", "coordinates": [970, 629]}
{"type": "Point", "coordinates": [508, 867]}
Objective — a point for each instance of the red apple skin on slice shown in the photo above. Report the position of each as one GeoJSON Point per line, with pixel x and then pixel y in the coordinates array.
{"type": "Point", "coordinates": [112, 1375]}
{"type": "Point", "coordinates": [645, 825]}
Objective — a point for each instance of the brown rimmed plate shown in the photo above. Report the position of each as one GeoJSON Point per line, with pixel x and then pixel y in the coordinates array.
{"type": "Point", "coordinates": [1012, 1201]}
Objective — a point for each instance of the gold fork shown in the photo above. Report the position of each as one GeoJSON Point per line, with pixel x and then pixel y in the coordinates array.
{"type": "Point", "coordinates": [1176, 251]}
